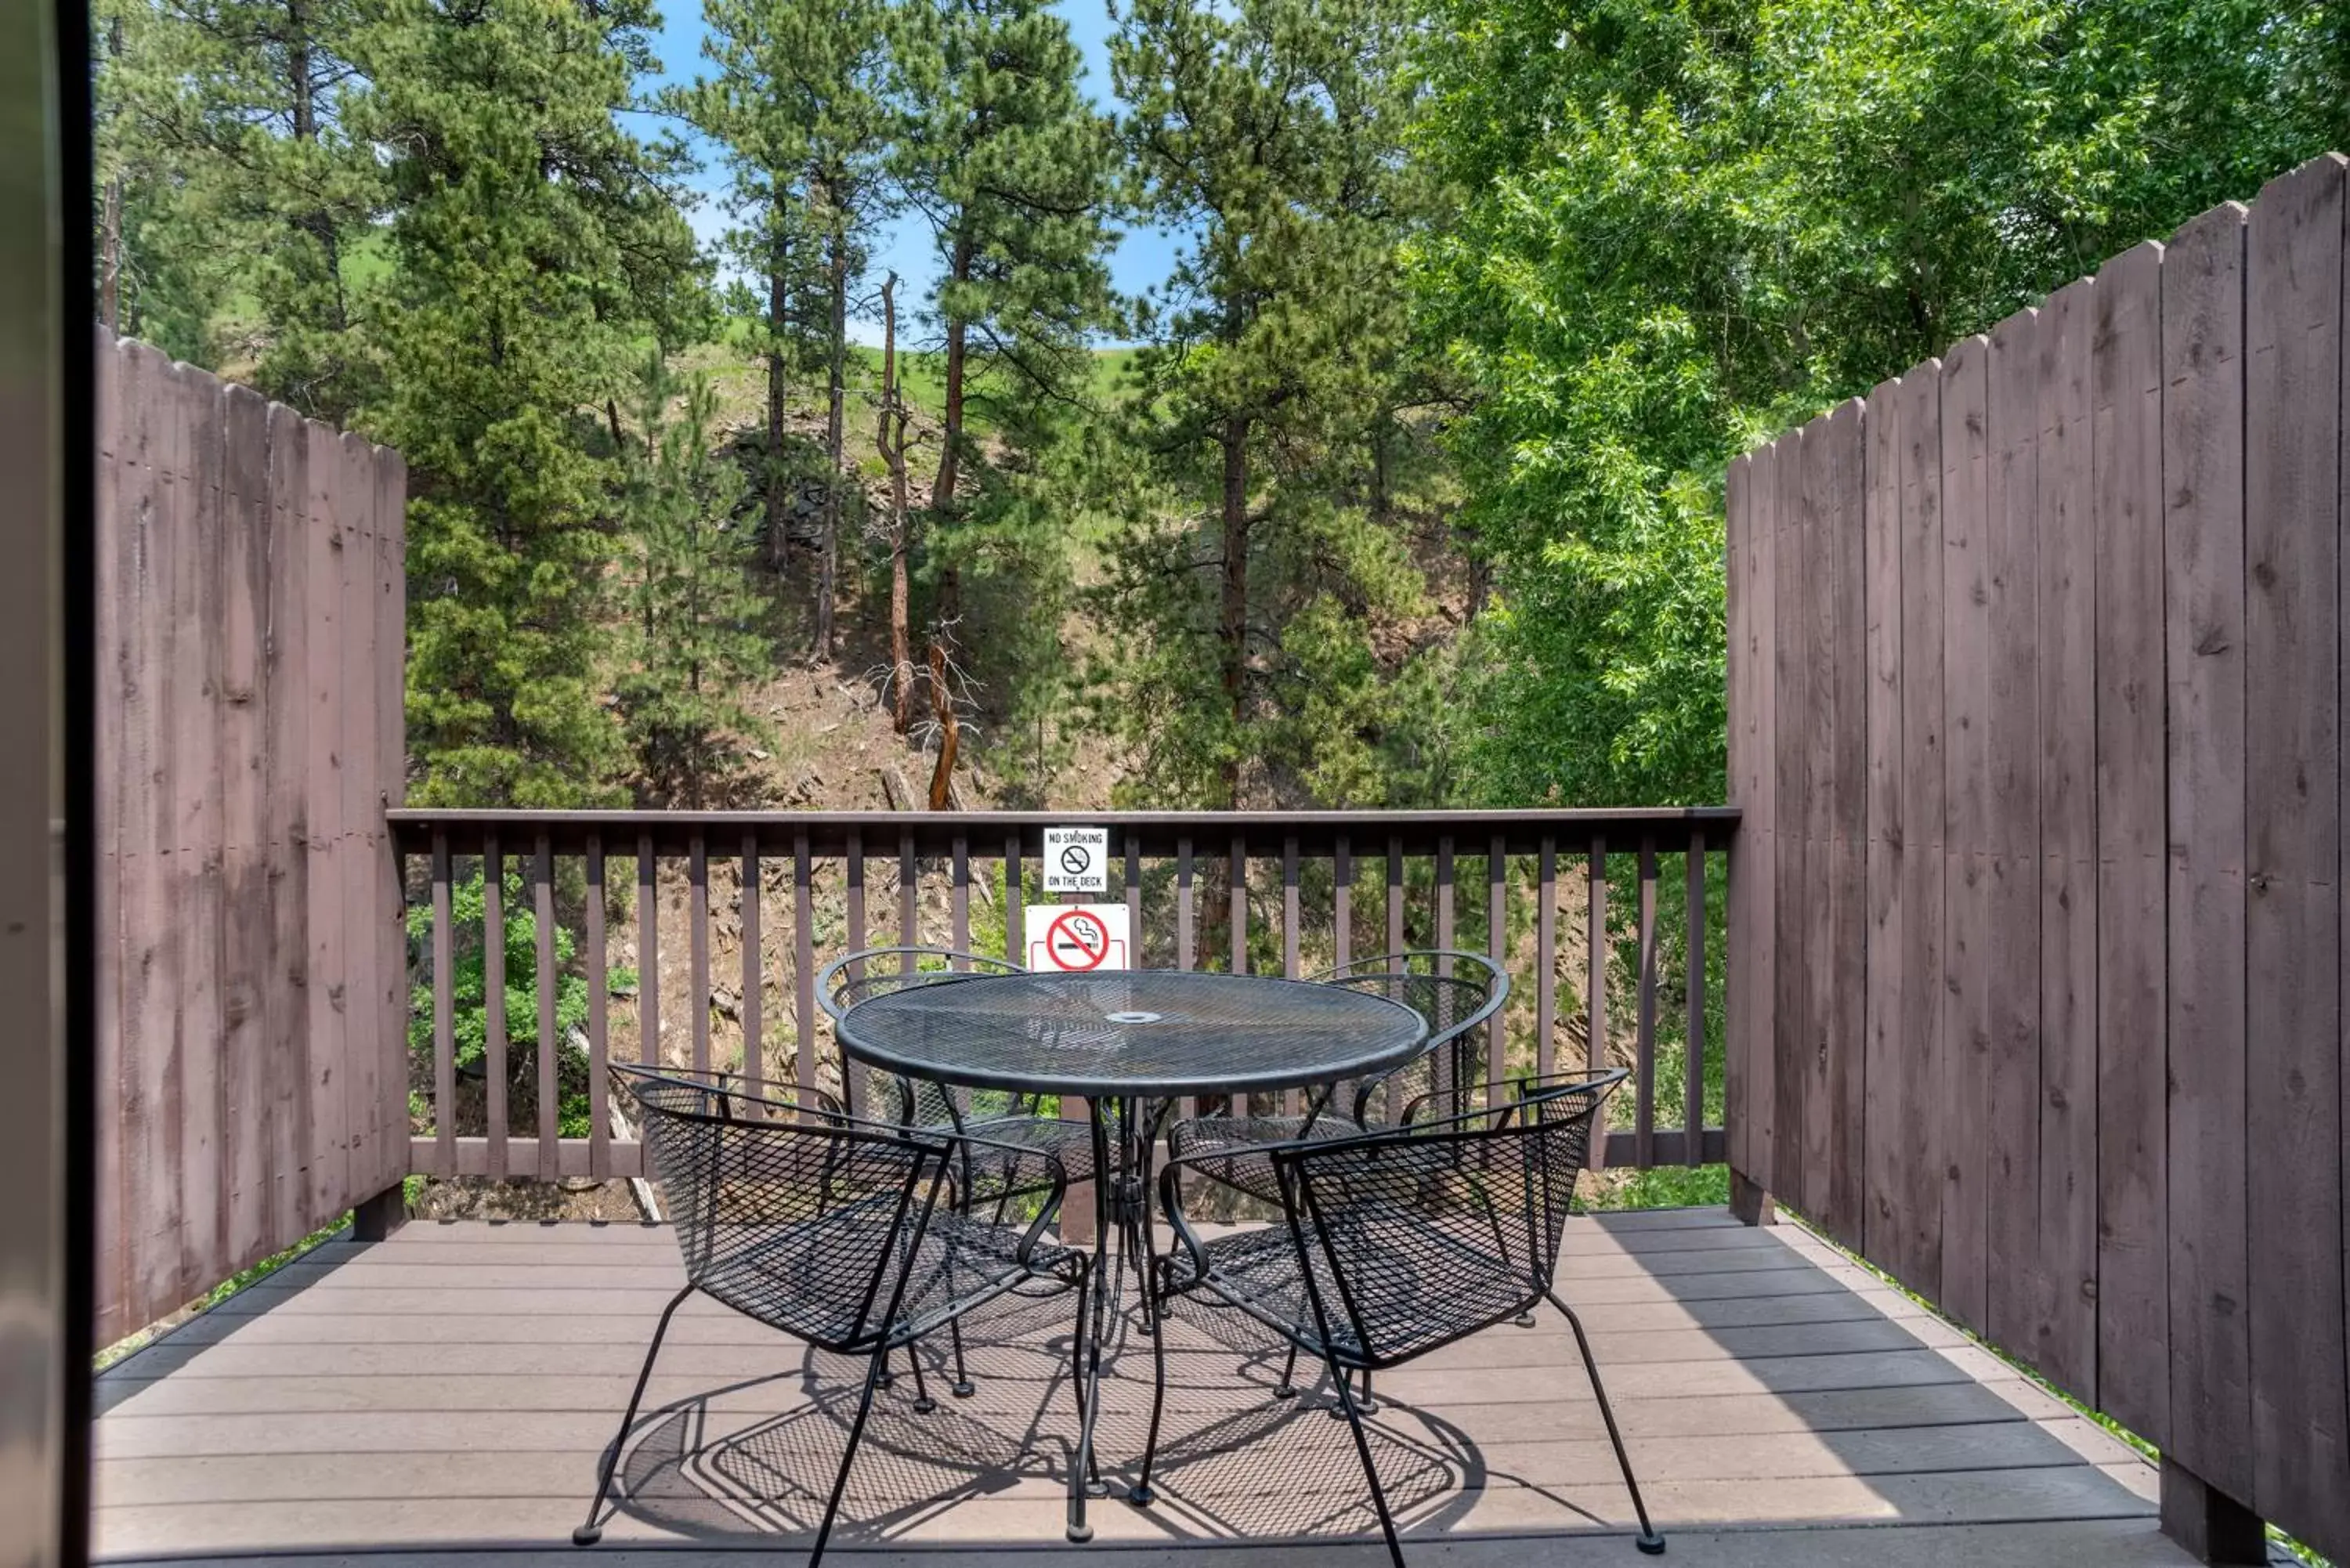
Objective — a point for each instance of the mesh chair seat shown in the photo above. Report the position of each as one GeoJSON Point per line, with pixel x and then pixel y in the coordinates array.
{"type": "Point", "coordinates": [1438, 1082]}
{"type": "Point", "coordinates": [1235, 1150]}
{"type": "Point", "coordinates": [790, 1278]}
{"type": "Point", "coordinates": [996, 1115]}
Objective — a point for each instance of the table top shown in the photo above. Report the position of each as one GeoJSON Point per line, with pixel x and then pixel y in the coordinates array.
{"type": "Point", "coordinates": [1131, 1032]}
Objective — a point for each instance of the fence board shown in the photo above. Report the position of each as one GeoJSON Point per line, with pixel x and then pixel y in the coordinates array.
{"type": "Point", "coordinates": [247, 972]}
{"type": "Point", "coordinates": [1755, 867]}
{"type": "Point", "coordinates": [1792, 1050]}
{"type": "Point", "coordinates": [2063, 1345]}
{"type": "Point", "coordinates": [1917, 1259]}
{"type": "Point", "coordinates": [2203, 552]}
{"type": "Point", "coordinates": [1843, 568]}
{"type": "Point", "coordinates": [2126, 394]}
{"type": "Point", "coordinates": [2011, 754]}
{"type": "Point", "coordinates": [2294, 282]}
{"type": "Point", "coordinates": [1966, 595]}
{"type": "Point", "coordinates": [1885, 1064]}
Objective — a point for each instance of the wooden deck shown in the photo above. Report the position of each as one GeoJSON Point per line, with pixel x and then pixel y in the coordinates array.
{"type": "Point", "coordinates": [449, 1389]}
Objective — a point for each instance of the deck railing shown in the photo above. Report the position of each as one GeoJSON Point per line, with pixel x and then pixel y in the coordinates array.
{"type": "Point", "coordinates": [1244, 891]}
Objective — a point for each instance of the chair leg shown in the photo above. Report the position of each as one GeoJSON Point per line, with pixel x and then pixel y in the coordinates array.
{"type": "Point", "coordinates": [1288, 1388]}
{"type": "Point", "coordinates": [924, 1403]}
{"type": "Point", "coordinates": [848, 1455]}
{"type": "Point", "coordinates": [1650, 1541]}
{"type": "Point", "coordinates": [1368, 1405]}
{"type": "Point", "coordinates": [590, 1532]}
{"type": "Point", "coordinates": [961, 1387]}
{"type": "Point", "coordinates": [1371, 1472]}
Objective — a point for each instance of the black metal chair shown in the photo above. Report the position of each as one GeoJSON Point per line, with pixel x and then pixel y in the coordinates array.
{"type": "Point", "coordinates": [828, 1229]}
{"type": "Point", "coordinates": [1397, 1243]}
{"type": "Point", "coordinates": [986, 1115]}
{"type": "Point", "coordinates": [1234, 1150]}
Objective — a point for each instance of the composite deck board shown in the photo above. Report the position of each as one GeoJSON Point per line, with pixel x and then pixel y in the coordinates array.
{"type": "Point", "coordinates": [372, 1397]}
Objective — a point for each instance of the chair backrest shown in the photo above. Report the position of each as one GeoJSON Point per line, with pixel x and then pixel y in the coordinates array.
{"type": "Point", "coordinates": [789, 1213]}
{"type": "Point", "coordinates": [1430, 1231]}
{"type": "Point", "coordinates": [877, 971]}
{"type": "Point", "coordinates": [1456, 993]}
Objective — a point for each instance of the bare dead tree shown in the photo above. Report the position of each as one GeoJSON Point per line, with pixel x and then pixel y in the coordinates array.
{"type": "Point", "coordinates": [892, 441]}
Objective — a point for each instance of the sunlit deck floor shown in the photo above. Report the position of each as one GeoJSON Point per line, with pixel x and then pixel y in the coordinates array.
{"type": "Point", "coordinates": [449, 1389]}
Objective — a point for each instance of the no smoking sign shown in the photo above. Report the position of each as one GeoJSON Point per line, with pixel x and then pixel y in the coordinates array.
{"type": "Point", "coordinates": [1077, 860]}
{"type": "Point", "coordinates": [1076, 939]}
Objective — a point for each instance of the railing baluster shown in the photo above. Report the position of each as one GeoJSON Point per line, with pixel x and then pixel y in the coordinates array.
{"type": "Point", "coordinates": [1187, 931]}
{"type": "Point", "coordinates": [1448, 1072]}
{"type": "Point", "coordinates": [1595, 981]}
{"type": "Point", "coordinates": [1187, 934]}
{"type": "Point", "coordinates": [444, 1023]}
{"type": "Point", "coordinates": [550, 1067]}
{"type": "Point", "coordinates": [1013, 936]}
{"type": "Point", "coordinates": [804, 965]}
{"type": "Point", "coordinates": [1497, 945]}
{"type": "Point", "coordinates": [1546, 960]}
{"type": "Point", "coordinates": [1290, 920]}
{"type": "Point", "coordinates": [1133, 891]}
{"type": "Point", "coordinates": [697, 932]}
{"type": "Point", "coordinates": [1239, 1104]}
{"type": "Point", "coordinates": [1693, 1085]}
{"type": "Point", "coordinates": [1342, 904]}
{"type": "Point", "coordinates": [754, 962]}
{"type": "Point", "coordinates": [1644, 1123]}
{"type": "Point", "coordinates": [648, 954]}
{"type": "Point", "coordinates": [958, 892]}
{"type": "Point", "coordinates": [494, 998]}
{"type": "Point", "coordinates": [599, 1019]}
{"type": "Point", "coordinates": [910, 888]}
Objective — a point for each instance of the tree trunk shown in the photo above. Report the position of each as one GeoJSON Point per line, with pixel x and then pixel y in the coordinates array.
{"type": "Point", "coordinates": [1233, 622]}
{"type": "Point", "coordinates": [892, 440]}
{"type": "Point", "coordinates": [835, 433]}
{"type": "Point", "coordinates": [109, 268]}
{"type": "Point", "coordinates": [942, 492]}
{"type": "Point", "coordinates": [777, 301]}
{"type": "Point", "coordinates": [950, 734]}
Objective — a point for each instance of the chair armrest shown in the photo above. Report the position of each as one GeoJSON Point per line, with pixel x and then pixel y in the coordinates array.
{"type": "Point", "coordinates": [1050, 1175]}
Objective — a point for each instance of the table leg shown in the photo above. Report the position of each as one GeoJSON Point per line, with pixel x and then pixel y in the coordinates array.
{"type": "Point", "coordinates": [1082, 1480]}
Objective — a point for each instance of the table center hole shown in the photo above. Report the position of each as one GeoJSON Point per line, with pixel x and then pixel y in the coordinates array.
{"type": "Point", "coordinates": [1132, 1017]}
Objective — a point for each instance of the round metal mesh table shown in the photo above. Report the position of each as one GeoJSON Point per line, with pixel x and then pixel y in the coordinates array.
{"type": "Point", "coordinates": [1133, 1033]}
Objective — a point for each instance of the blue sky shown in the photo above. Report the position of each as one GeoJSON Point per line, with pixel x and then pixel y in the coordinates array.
{"type": "Point", "coordinates": [1140, 262]}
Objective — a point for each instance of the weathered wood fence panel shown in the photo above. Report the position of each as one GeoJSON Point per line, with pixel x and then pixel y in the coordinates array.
{"type": "Point", "coordinates": [2102, 1096]}
{"type": "Point", "coordinates": [252, 984]}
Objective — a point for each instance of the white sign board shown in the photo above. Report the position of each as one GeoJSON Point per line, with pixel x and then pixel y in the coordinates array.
{"type": "Point", "coordinates": [1077, 860]}
{"type": "Point", "coordinates": [1078, 938]}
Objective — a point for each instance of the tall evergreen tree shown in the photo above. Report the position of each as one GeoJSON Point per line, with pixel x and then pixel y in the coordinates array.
{"type": "Point", "coordinates": [535, 246]}
{"type": "Point", "coordinates": [794, 99]}
{"type": "Point", "coordinates": [1269, 130]}
{"type": "Point", "coordinates": [230, 110]}
{"type": "Point", "coordinates": [1013, 169]}
{"type": "Point", "coordinates": [691, 644]}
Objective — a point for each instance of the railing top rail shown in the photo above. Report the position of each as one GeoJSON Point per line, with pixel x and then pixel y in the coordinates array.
{"type": "Point", "coordinates": [1158, 833]}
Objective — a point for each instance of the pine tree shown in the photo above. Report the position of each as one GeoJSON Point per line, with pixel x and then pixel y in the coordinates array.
{"type": "Point", "coordinates": [1000, 152]}
{"type": "Point", "coordinates": [229, 111]}
{"type": "Point", "coordinates": [534, 244]}
{"type": "Point", "coordinates": [693, 638]}
{"type": "Point", "coordinates": [794, 101]}
{"type": "Point", "coordinates": [1258, 558]}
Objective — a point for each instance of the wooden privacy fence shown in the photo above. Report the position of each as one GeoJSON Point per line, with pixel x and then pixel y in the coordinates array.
{"type": "Point", "coordinates": [1406, 879]}
{"type": "Point", "coordinates": [2037, 701]}
{"type": "Point", "coordinates": [250, 985]}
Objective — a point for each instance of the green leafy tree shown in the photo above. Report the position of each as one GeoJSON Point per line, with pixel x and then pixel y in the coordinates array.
{"type": "Point", "coordinates": [1683, 227]}
{"type": "Point", "coordinates": [692, 644]}
{"type": "Point", "coordinates": [536, 244]}
{"type": "Point", "coordinates": [1257, 555]}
